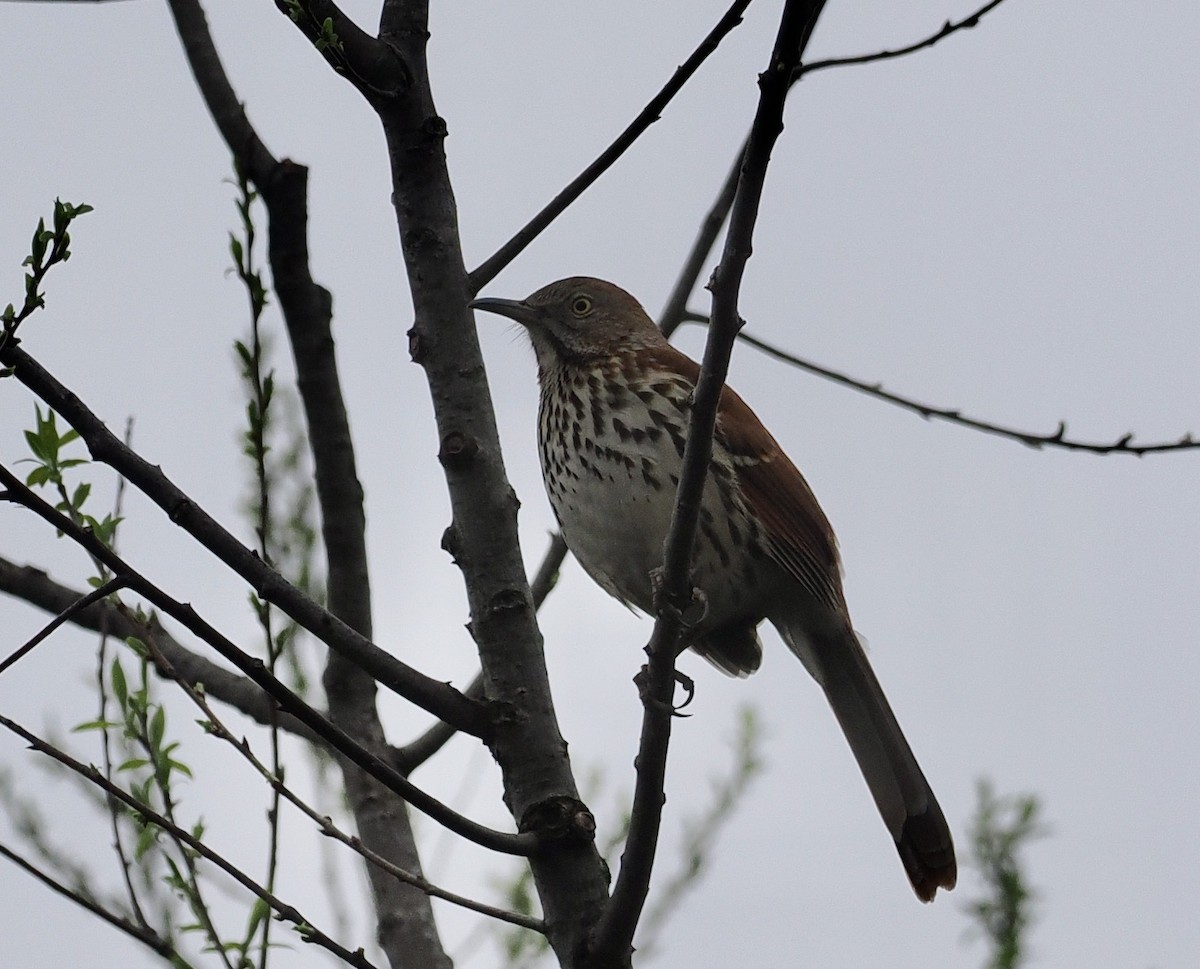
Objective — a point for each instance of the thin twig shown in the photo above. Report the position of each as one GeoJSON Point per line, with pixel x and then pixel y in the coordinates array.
{"type": "Point", "coordinates": [142, 933]}
{"type": "Point", "coordinates": [34, 586]}
{"type": "Point", "coordinates": [215, 726]}
{"type": "Point", "coordinates": [518, 844]}
{"type": "Point", "coordinates": [1059, 439]}
{"type": "Point", "coordinates": [488, 270]}
{"type": "Point", "coordinates": [438, 698]}
{"type": "Point", "coordinates": [76, 607]}
{"type": "Point", "coordinates": [287, 912]}
{"type": "Point", "coordinates": [948, 28]}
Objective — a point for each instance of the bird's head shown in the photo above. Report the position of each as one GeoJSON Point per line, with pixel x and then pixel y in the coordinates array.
{"type": "Point", "coordinates": [579, 319]}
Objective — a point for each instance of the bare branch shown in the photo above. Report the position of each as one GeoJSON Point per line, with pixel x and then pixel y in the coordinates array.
{"type": "Point", "coordinates": [676, 312]}
{"type": "Point", "coordinates": [519, 844]}
{"type": "Point", "coordinates": [413, 754]}
{"type": "Point", "coordinates": [437, 697]}
{"type": "Point", "coordinates": [67, 615]}
{"type": "Point", "coordinates": [214, 726]}
{"type": "Point", "coordinates": [948, 28]}
{"type": "Point", "coordinates": [613, 936]}
{"type": "Point", "coordinates": [1059, 439]}
{"type": "Point", "coordinates": [488, 270]}
{"type": "Point", "coordinates": [142, 933]}
{"type": "Point", "coordinates": [308, 932]}
{"type": "Point", "coordinates": [37, 588]}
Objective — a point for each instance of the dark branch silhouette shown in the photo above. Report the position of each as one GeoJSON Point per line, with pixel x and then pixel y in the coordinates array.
{"type": "Point", "coordinates": [518, 844]}
{"type": "Point", "coordinates": [433, 695]}
{"type": "Point", "coordinates": [142, 933]}
{"type": "Point", "coordinates": [289, 913]}
{"type": "Point", "coordinates": [1122, 445]}
{"type": "Point", "coordinates": [613, 937]}
{"type": "Point", "coordinates": [490, 267]}
{"type": "Point", "coordinates": [948, 28]}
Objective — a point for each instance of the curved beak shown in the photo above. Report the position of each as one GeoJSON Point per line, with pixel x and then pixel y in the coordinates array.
{"type": "Point", "coordinates": [514, 309]}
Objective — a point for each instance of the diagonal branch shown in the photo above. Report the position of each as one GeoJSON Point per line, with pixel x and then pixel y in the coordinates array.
{"type": "Point", "coordinates": [1059, 439]}
{"type": "Point", "coordinates": [948, 28]}
{"type": "Point", "coordinates": [289, 913]}
{"type": "Point", "coordinates": [142, 933]}
{"type": "Point", "coordinates": [437, 697]}
{"type": "Point", "coordinates": [67, 614]}
{"type": "Point", "coordinates": [488, 270]}
{"type": "Point", "coordinates": [613, 937]}
{"type": "Point", "coordinates": [519, 844]}
{"type": "Point", "coordinates": [34, 586]}
{"type": "Point", "coordinates": [213, 725]}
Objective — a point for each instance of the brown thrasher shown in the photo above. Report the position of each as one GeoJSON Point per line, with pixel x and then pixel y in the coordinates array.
{"type": "Point", "coordinates": [613, 419]}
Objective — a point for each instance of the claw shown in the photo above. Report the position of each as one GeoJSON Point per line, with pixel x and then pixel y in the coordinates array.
{"type": "Point", "coordinates": [689, 687]}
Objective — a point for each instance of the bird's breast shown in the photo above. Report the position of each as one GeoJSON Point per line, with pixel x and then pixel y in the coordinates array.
{"type": "Point", "coordinates": [611, 451]}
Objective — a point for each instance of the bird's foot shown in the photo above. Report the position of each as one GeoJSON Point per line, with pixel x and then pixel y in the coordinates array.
{"type": "Point", "coordinates": [688, 611]}
{"type": "Point", "coordinates": [646, 694]}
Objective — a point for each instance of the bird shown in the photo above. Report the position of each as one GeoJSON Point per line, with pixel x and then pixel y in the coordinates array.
{"type": "Point", "coordinates": [614, 405]}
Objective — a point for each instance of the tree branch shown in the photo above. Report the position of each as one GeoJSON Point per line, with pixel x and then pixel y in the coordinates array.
{"type": "Point", "coordinates": [518, 844]}
{"type": "Point", "coordinates": [488, 270]}
{"type": "Point", "coordinates": [433, 695]}
{"type": "Point", "coordinates": [142, 933]}
{"type": "Point", "coordinates": [66, 615]}
{"type": "Point", "coordinates": [540, 791]}
{"type": "Point", "coordinates": [613, 937]}
{"type": "Point", "coordinates": [405, 919]}
{"type": "Point", "coordinates": [218, 729]}
{"type": "Point", "coordinates": [413, 754]}
{"type": "Point", "coordinates": [289, 913]}
{"type": "Point", "coordinates": [1059, 439]}
{"type": "Point", "coordinates": [34, 586]}
{"type": "Point", "coordinates": [948, 28]}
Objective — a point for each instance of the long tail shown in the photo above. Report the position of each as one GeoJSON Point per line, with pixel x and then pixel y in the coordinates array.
{"type": "Point", "coordinates": [901, 793]}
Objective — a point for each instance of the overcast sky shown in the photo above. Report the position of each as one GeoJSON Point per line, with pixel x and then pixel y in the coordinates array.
{"type": "Point", "coordinates": [1008, 223]}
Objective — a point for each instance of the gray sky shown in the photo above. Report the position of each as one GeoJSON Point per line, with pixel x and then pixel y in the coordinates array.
{"type": "Point", "coordinates": [1008, 223]}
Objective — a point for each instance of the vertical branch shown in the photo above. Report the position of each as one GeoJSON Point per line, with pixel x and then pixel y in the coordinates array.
{"type": "Point", "coordinates": [613, 938]}
{"type": "Point", "coordinates": [539, 788]}
{"type": "Point", "coordinates": [405, 917]}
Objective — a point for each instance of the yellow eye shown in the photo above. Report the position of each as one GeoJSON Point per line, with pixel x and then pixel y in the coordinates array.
{"type": "Point", "coordinates": [581, 306]}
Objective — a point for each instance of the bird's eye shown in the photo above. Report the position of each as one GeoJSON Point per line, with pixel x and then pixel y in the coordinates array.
{"type": "Point", "coordinates": [581, 306]}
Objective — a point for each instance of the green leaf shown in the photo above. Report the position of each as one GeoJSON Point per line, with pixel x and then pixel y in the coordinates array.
{"type": "Point", "coordinates": [81, 495]}
{"type": "Point", "coordinates": [134, 763]}
{"type": "Point", "coordinates": [158, 727]}
{"type": "Point", "coordinates": [94, 725]}
{"type": "Point", "coordinates": [38, 476]}
{"type": "Point", "coordinates": [120, 687]}
{"type": "Point", "coordinates": [146, 840]}
{"type": "Point", "coordinates": [36, 447]}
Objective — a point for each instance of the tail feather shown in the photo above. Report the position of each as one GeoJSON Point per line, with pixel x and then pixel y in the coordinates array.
{"type": "Point", "coordinates": [904, 798]}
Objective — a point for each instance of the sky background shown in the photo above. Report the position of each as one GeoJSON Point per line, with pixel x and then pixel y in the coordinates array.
{"type": "Point", "coordinates": [1008, 223]}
